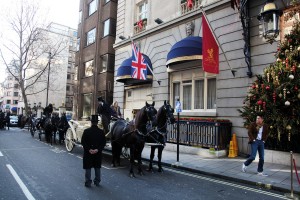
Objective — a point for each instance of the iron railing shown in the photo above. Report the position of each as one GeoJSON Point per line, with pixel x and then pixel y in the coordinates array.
{"type": "Point", "coordinates": [205, 134]}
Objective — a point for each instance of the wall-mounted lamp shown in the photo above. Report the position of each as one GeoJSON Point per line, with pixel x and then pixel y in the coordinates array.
{"type": "Point", "coordinates": [269, 18]}
{"type": "Point", "coordinates": [158, 21]}
{"type": "Point", "coordinates": [122, 37]}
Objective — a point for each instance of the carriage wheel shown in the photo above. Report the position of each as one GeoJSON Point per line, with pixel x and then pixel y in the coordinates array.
{"type": "Point", "coordinates": [69, 140]}
{"type": "Point", "coordinates": [125, 153]}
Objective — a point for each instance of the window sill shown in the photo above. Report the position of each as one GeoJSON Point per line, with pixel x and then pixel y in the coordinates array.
{"type": "Point", "coordinates": [199, 113]}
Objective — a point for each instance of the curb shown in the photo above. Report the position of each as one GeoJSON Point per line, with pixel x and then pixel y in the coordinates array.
{"type": "Point", "coordinates": [236, 180]}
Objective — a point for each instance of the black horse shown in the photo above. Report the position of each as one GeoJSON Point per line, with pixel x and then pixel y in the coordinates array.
{"type": "Point", "coordinates": [47, 125]}
{"type": "Point", "coordinates": [164, 117]}
{"type": "Point", "coordinates": [133, 136]}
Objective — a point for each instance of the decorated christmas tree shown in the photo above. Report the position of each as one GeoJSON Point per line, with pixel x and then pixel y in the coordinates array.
{"type": "Point", "coordinates": [276, 95]}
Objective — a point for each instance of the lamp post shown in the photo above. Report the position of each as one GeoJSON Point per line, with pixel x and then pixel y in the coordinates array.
{"type": "Point", "coordinates": [269, 18]}
{"type": "Point", "coordinates": [49, 57]}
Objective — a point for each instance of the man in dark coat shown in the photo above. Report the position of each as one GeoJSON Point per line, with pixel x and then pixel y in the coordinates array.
{"type": "Point", "coordinates": [93, 141]}
{"type": "Point", "coordinates": [48, 110]}
{"type": "Point", "coordinates": [7, 119]}
{"type": "Point", "coordinates": [104, 111]}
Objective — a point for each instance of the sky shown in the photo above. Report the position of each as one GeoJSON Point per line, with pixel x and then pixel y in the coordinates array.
{"type": "Point", "coordinates": [63, 12]}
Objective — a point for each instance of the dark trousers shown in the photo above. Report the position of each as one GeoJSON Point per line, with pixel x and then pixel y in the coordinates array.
{"type": "Point", "coordinates": [259, 146]}
{"type": "Point", "coordinates": [7, 124]}
{"type": "Point", "coordinates": [88, 175]}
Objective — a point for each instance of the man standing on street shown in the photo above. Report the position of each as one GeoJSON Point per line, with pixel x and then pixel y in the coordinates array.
{"type": "Point", "coordinates": [93, 141]}
{"type": "Point", "coordinates": [258, 133]}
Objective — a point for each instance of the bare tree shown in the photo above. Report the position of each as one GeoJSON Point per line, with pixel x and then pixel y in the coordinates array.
{"type": "Point", "coordinates": [24, 51]}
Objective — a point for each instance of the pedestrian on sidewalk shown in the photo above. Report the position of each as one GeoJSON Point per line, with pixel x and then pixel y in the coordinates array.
{"type": "Point", "coordinates": [7, 119]}
{"type": "Point", "coordinates": [93, 141]}
{"type": "Point", "coordinates": [258, 133]}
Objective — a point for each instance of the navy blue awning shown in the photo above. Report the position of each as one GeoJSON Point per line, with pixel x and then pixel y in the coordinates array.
{"type": "Point", "coordinates": [124, 72]}
{"type": "Point", "coordinates": [14, 109]}
{"type": "Point", "coordinates": [189, 48]}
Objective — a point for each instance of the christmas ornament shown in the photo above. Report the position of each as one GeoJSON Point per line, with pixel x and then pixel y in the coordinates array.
{"type": "Point", "coordinates": [291, 76]}
{"type": "Point", "coordinates": [280, 95]}
{"type": "Point", "coordinates": [298, 48]}
{"type": "Point", "coordinates": [287, 103]}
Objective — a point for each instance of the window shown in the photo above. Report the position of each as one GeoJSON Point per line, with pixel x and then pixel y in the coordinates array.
{"type": "Point", "coordinates": [76, 73]}
{"type": "Point", "coordinates": [78, 44]}
{"type": "Point", "coordinates": [16, 94]}
{"type": "Point", "coordinates": [91, 36]}
{"type": "Point", "coordinates": [109, 27]}
{"type": "Point", "coordinates": [68, 76]}
{"type": "Point", "coordinates": [8, 101]}
{"type": "Point", "coordinates": [88, 68]}
{"type": "Point", "coordinates": [16, 86]}
{"type": "Point", "coordinates": [80, 16]}
{"type": "Point", "coordinates": [8, 94]}
{"type": "Point", "coordinates": [107, 63]}
{"type": "Point", "coordinates": [106, 1]}
{"type": "Point", "coordinates": [15, 101]}
{"type": "Point", "coordinates": [93, 7]}
{"type": "Point", "coordinates": [87, 102]}
{"type": "Point", "coordinates": [68, 88]}
{"type": "Point", "coordinates": [195, 89]}
{"type": "Point", "coordinates": [142, 10]}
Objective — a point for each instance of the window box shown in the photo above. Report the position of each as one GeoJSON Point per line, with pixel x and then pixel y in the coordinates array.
{"type": "Point", "coordinates": [140, 25]}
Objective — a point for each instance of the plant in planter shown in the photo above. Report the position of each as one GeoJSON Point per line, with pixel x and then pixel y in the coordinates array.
{"type": "Point", "coordinates": [141, 23]}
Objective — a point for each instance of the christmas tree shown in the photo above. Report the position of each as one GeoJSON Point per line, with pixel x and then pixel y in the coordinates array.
{"type": "Point", "coordinates": [276, 95]}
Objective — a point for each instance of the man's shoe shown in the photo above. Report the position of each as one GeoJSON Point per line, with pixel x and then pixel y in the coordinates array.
{"type": "Point", "coordinates": [262, 174]}
{"type": "Point", "coordinates": [244, 167]}
{"type": "Point", "coordinates": [87, 185]}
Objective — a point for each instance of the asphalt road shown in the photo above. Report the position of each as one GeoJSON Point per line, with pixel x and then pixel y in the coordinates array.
{"type": "Point", "coordinates": [32, 169]}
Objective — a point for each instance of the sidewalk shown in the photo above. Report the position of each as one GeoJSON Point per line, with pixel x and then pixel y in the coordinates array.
{"type": "Point", "coordinates": [230, 169]}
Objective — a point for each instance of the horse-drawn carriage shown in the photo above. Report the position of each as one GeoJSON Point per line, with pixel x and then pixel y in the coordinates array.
{"type": "Point", "coordinates": [132, 135]}
{"type": "Point", "coordinates": [75, 131]}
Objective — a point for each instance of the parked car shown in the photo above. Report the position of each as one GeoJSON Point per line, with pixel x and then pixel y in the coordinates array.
{"type": "Point", "coordinates": [13, 120]}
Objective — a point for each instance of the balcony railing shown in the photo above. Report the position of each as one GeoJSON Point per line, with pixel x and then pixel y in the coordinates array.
{"type": "Point", "coordinates": [138, 29]}
{"type": "Point", "coordinates": [205, 134]}
{"type": "Point", "coordinates": [185, 9]}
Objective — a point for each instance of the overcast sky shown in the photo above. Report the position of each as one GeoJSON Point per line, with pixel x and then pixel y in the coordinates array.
{"type": "Point", "coordinates": [63, 12]}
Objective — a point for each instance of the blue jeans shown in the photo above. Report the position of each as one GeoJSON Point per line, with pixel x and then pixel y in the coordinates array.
{"type": "Point", "coordinates": [259, 146]}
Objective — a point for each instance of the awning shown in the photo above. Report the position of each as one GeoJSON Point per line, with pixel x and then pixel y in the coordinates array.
{"type": "Point", "coordinates": [187, 49]}
{"type": "Point", "coordinates": [14, 109]}
{"type": "Point", "coordinates": [124, 73]}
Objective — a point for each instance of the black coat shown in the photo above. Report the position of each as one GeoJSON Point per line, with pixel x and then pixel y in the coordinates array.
{"type": "Point", "coordinates": [92, 138]}
{"type": "Point", "coordinates": [105, 110]}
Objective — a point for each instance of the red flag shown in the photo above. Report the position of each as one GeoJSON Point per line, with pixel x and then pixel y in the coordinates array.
{"type": "Point", "coordinates": [210, 49]}
{"type": "Point", "coordinates": [189, 3]}
{"type": "Point", "coordinates": [140, 24]}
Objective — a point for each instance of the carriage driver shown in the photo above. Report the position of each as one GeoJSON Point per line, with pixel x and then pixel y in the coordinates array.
{"type": "Point", "coordinates": [48, 110]}
{"type": "Point", "coordinates": [105, 112]}
{"type": "Point", "coordinates": [93, 141]}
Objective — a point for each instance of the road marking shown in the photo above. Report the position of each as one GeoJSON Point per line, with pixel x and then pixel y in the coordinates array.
{"type": "Point", "coordinates": [57, 150]}
{"type": "Point", "coordinates": [1, 154]}
{"type": "Point", "coordinates": [113, 167]}
{"type": "Point", "coordinates": [26, 148]}
{"type": "Point", "coordinates": [20, 182]}
{"type": "Point", "coordinates": [227, 183]}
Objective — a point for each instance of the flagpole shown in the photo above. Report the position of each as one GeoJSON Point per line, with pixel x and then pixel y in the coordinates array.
{"type": "Point", "coordinates": [149, 68]}
{"type": "Point", "coordinates": [211, 30]}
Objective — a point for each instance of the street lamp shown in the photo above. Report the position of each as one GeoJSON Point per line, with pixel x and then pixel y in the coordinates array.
{"type": "Point", "coordinates": [269, 18]}
{"type": "Point", "coordinates": [49, 57]}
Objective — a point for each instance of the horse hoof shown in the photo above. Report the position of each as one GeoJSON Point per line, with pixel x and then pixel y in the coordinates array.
{"type": "Point", "coordinates": [150, 170]}
{"type": "Point", "coordinates": [141, 173]}
{"type": "Point", "coordinates": [160, 170]}
{"type": "Point", "coordinates": [113, 165]}
{"type": "Point", "coordinates": [131, 175]}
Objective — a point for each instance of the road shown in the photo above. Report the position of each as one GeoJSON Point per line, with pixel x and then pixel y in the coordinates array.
{"type": "Point", "coordinates": [32, 169]}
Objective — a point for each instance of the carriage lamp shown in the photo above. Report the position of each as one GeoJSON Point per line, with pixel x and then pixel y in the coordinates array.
{"type": "Point", "coordinates": [269, 18]}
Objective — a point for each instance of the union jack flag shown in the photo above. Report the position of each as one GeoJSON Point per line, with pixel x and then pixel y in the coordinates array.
{"type": "Point", "coordinates": [138, 64]}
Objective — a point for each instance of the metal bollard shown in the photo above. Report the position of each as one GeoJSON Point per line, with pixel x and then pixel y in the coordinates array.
{"type": "Point", "coordinates": [291, 195]}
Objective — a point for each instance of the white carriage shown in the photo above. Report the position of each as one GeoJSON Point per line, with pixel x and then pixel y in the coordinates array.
{"type": "Point", "coordinates": [74, 133]}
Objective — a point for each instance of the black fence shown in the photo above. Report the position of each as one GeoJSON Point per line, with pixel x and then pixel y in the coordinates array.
{"type": "Point", "coordinates": [205, 134]}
